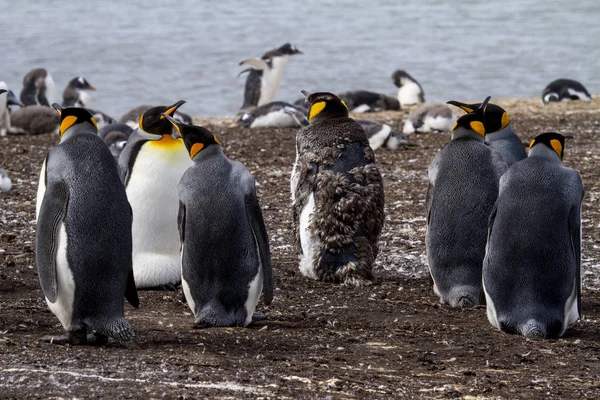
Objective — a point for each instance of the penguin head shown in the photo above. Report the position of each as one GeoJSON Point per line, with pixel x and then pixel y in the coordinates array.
{"type": "Point", "coordinates": [75, 119]}
{"type": "Point", "coordinates": [471, 125]}
{"type": "Point", "coordinates": [324, 105]}
{"type": "Point", "coordinates": [152, 123]}
{"type": "Point", "coordinates": [81, 83]}
{"type": "Point", "coordinates": [552, 140]}
{"type": "Point", "coordinates": [401, 77]}
{"type": "Point", "coordinates": [288, 49]}
{"type": "Point", "coordinates": [196, 138]}
{"type": "Point", "coordinates": [496, 118]}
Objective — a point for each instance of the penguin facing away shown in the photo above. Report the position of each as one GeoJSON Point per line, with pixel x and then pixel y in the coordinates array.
{"type": "Point", "coordinates": [264, 75]}
{"type": "Point", "coordinates": [152, 163]}
{"type": "Point", "coordinates": [532, 268]}
{"type": "Point", "coordinates": [498, 131]}
{"type": "Point", "coordinates": [38, 88]}
{"type": "Point", "coordinates": [463, 186]}
{"type": "Point", "coordinates": [226, 262]}
{"type": "Point", "coordinates": [337, 195]}
{"type": "Point", "coordinates": [565, 90]}
{"type": "Point", "coordinates": [83, 236]}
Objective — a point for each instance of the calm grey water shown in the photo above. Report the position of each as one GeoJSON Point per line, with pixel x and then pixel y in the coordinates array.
{"type": "Point", "coordinates": [151, 51]}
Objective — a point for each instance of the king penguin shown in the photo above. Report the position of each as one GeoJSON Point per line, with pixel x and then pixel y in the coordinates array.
{"type": "Point", "coordinates": [498, 131]}
{"type": "Point", "coordinates": [83, 235]}
{"type": "Point", "coordinates": [226, 262]}
{"type": "Point", "coordinates": [337, 195]}
{"type": "Point", "coordinates": [463, 186]}
{"type": "Point", "coordinates": [264, 75]}
{"type": "Point", "coordinates": [532, 268]}
{"type": "Point", "coordinates": [152, 163]}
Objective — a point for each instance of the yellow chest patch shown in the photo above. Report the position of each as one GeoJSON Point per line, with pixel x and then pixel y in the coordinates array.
{"type": "Point", "coordinates": [167, 143]}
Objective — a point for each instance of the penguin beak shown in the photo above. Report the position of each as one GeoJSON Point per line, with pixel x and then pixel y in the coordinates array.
{"type": "Point", "coordinates": [12, 100]}
{"type": "Point", "coordinates": [174, 108]}
{"type": "Point", "coordinates": [568, 137]}
{"type": "Point", "coordinates": [463, 106]}
{"type": "Point", "coordinates": [90, 87]}
{"type": "Point", "coordinates": [296, 51]}
{"type": "Point", "coordinates": [58, 108]}
{"type": "Point", "coordinates": [175, 124]}
{"type": "Point", "coordinates": [234, 125]}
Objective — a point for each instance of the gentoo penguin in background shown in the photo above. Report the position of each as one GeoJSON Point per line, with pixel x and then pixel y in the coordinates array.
{"type": "Point", "coordinates": [565, 90]}
{"type": "Point", "coordinates": [152, 163]}
{"type": "Point", "coordinates": [7, 98]}
{"type": "Point", "coordinates": [337, 195]}
{"type": "Point", "coordinates": [276, 114]}
{"type": "Point", "coordinates": [76, 95]}
{"type": "Point", "coordinates": [132, 116]}
{"type": "Point", "coordinates": [382, 135]}
{"type": "Point", "coordinates": [430, 118]}
{"type": "Point", "coordinates": [34, 120]}
{"type": "Point", "coordinates": [498, 132]}
{"type": "Point", "coordinates": [83, 236]}
{"type": "Point", "coordinates": [102, 119]}
{"type": "Point", "coordinates": [364, 101]}
{"type": "Point", "coordinates": [264, 75]}
{"type": "Point", "coordinates": [463, 186]}
{"type": "Point", "coordinates": [5, 182]}
{"type": "Point", "coordinates": [115, 136]}
{"type": "Point", "coordinates": [532, 268]}
{"type": "Point", "coordinates": [38, 88]}
{"type": "Point", "coordinates": [226, 262]}
{"type": "Point", "coordinates": [409, 90]}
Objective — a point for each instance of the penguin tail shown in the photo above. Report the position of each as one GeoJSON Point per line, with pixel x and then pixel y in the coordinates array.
{"type": "Point", "coordinates": [533, 328]}
{"type": "Point", "coordinates": [464, 297]}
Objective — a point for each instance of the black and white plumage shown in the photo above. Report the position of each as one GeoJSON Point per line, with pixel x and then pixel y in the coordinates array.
{"type": "Point", "coordinates": [226, 263]}
{"type": "Point", "coordinates": [532, 268]}
{"type": "Point", "coordinates": [115, 136]}
{"type": "Point", "coordinates": [382, 135]}
{"type": "Point", "coordinates": [264, 75]}
{"type": "Point", "coordinates": [463, 186]}
{"type": "Point", "coordinates": [409, 90]}
{"type": "Point", "coordinates": [430, 118]}
{"type": "Point", "coordinates": [276, 114]}
{"type": "Point", "coordinates": [365, 101]}
{"type": "Point", "coordinates": [5, 182]}
{"type": "Point", "coordinates": [4, 110]}
{"type": "Point", "coordinates": [38, 88]}
{"type": "Point", "coordinates": [83, 236]}
{"type": "Point", "coordinates": [565, 90]}
{"type": "Point", "coordinates": [132, 116]}
{"type": "Point", "coordinates": [498, 131]}
{"type": "Point", "coordinates": [76, 95]}
{"type": "Point", "coordinates": [337, 195]}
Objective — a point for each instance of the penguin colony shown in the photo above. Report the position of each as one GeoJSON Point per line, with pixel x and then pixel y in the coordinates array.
{"type": "Point", "coordinates": [153, 202]}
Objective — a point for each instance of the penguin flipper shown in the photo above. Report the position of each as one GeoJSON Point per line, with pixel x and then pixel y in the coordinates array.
{"type": "Point", "coordinates": [52, 214]}
{"type": "Point", "coordinates": [181, 223]}
{"type": "Point", "coordinates": [255, 63]}
{"type": "Point", "coordinates": [428, 202]}
{"type": "Point", "coordinates": [575, 230]}
{"type": "Point", "coordinates": [131, 291]}
{"type": "Point", "coordinates": [257, 224]}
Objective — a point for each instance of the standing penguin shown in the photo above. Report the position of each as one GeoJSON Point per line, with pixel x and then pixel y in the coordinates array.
{"type": "Point", "coordinates": [226, 262]}
{"type": "Point", "coordinates": [409, 90]}
{"type": "Point", "coordinates": [38, 88]}
{"type": "Point", "coordinates": [152, 163]}
{"type": "Point", "coordinates": [83, 235]}
{"type": "Point", "coordinates": [264, 75]}
{"type": "Point", "coordinates": [531, 271]}
{"type": "Point", "coordinates": [498, 131]}
{"type": "Point", "coordinates": [337, 195]}
{"type": "Point", "coordinates": [463, 186]}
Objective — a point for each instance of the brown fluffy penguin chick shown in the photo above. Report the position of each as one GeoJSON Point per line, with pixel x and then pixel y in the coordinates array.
{"type": "Point", "coordinates": [337, 195]}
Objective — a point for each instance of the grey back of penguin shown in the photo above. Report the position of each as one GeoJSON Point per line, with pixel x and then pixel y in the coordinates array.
{"type": "Point", "coordinates": [97, 220]}
{"type": "Point", "coordinates": [532, 264]}
{"type": "Point", "coordinates": [220, 255]}
{"type": "Point", "coordinates": [507, 144]}
{"type": "Point", "coordinates": [463, 188]}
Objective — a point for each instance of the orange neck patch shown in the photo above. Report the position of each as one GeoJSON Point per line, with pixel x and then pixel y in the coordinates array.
{"type": "Point", "coordinates": [196, 148]}
{"type": "Point", "coordinates": [557, 147]}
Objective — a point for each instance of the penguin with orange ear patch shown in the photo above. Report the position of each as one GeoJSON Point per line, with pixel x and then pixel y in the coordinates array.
{"type": "Point", "coordinates": [463, 186]}
{"type": "Point", "coordinates": [152, 163]}
{"type": "Point", "coordinates": [532, 269]}
{"type": "Point", "coordinates": [226, 263]}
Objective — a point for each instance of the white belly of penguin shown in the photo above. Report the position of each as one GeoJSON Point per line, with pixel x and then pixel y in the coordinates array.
{"type": "Point", "coordinates": [308, 241]}
{"type": "Point", "coordinates": [63, 306]}
{"type": "Point", "coordinates": [438, 123]}
{"type": "Point", "coordinates": [409, 93]}
{"type": "Point", "coordinates": [275, 119]}
{"type": "Point", "coordinates": [254, 290]}
{"type": "Point", "coordinates": [41, 190]}
{"type": "Point", "coordinates": [152, 193]}
{"type": "Point", "coordinates": [270, 79]}
{"type": "Point", "coordinates": [490, 308]}
{"type": "Point", "coordinates": [379, 138]}
{"type": "Point", "coordinates": [186, 288]}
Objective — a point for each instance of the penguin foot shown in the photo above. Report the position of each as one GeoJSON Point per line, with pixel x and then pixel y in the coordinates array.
{"type": "Point", "coordinates": [74, 338]}
{"type": "Point", "coordinates": [170, 287]}
{"type": "Point", "coordinates": [96, 339]}
{"type": "Point", "coordinates": [256, 317]}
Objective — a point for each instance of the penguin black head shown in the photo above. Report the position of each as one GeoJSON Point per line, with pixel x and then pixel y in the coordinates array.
{"type": "Point", "coordinates": [324, 105]}
{"type": "Point", "coordinates": [553, 140]}
{"type": "Point", "coordinates": [75, 117]}
{"type": "Point", "coordinates": [288, 49]}
{"type": "Point", "coordinates": [153, 122]}
{"type": "Point", "coordinates": [496, 118]}
{"type": "Point", "coordinates": [196, 138]}
{"type": "Point", "coordinates": [400, 77]}
{"type": "Point", "coordinates": [472, 122]}
{"type": "Point", "coordinates": [3, 91]}
{"type": "Point", "coordinates": [80, 83]}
